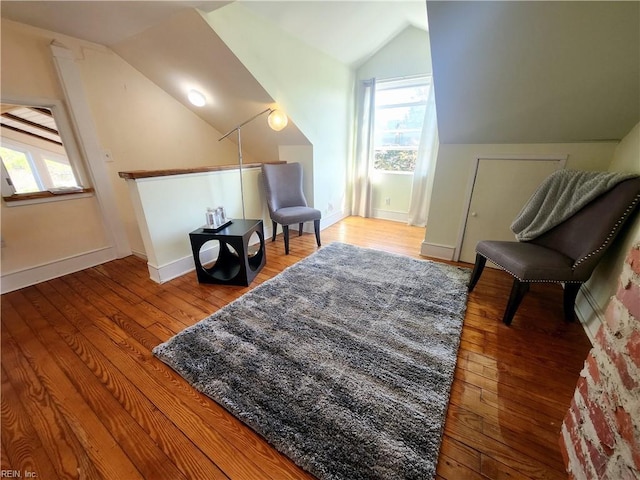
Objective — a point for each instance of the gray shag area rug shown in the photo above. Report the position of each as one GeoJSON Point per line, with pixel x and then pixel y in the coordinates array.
{"type": "Point", "coordinates": [343, 362]}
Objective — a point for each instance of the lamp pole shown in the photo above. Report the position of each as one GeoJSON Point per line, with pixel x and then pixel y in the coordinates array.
{"type": "Point", "coordinates": [237, 128]}
{"type": "Point", "coordinates": [240, 168]}
{"type": "Point", "coordinates": [276, 120]}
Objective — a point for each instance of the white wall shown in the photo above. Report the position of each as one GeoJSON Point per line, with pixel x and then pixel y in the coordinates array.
{"type": "Point", "coordinates": [170, 207]}
{"type": "Point", "coordinates": [407, 54]}
{"type": "Point", "coordinates": [39, 236]}
{"type": "Point", "coordinates": [145, 128]}
{"type": "Point", "coordinates": [454, 168]}
{"type": "Point", "coordinates": [596, 293]}
{"type": "Point", "coordinates": [142, 126]}
{"type": "Point", "coordinates": [315, 90]}
{"type": "Point", "coordinates": [391, 195]}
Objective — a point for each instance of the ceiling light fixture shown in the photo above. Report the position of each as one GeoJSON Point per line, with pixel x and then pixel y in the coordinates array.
{"type": "Point", "coordinates": [196, 98]}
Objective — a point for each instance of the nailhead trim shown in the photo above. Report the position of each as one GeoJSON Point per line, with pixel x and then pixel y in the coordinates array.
{"type": "Point", "coordinates": [626, 213]}
{"type": "Point", "coordinates": [624, 216]}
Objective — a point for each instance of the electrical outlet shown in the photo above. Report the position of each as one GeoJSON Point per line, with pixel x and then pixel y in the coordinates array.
{"type": "Point", "coordinates": [107, 155]}
{"type": "Point", "coordinates": [387, 201]}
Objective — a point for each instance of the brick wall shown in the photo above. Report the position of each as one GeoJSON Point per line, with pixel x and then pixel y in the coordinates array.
{"type": "Point", "coordinates": [601, 433]}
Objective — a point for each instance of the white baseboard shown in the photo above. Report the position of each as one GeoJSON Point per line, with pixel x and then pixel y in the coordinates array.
{"type": "Point", "coordinates": [589, 313]}
{"type": "Point", "coordinates": [333, 218]}
{"type": "Point", "coordinates": [391, 215]}
{"type": "Point", "coordinates": [47, 271]}
{"type": "Point", "coordinates": [443, 252]}
{"type": "Point", "coordinates": [177, 268]}
{"type": "Point", "coordinates": [181, 266]}
{"type": "Point", "coordinates": [325, 222]}
{"type": "Point", "coordinates": [139, 254]}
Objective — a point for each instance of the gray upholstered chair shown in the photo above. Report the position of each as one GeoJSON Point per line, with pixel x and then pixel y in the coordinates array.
{"type": "Point", "coordinates": [286, 201]}
{"type": "Point", "coordinates": [567, 254]}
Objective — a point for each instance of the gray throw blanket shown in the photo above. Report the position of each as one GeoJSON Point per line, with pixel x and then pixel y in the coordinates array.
{"type": "Point", "coordinates": [561, 195]}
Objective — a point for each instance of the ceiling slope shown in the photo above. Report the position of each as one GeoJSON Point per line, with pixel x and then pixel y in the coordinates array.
{"type": "Point", "coordinates": [535, 72]}
{"type": "Point", "coordinates": [99, 21]}
{"type": "Point", "coordinates": [183, 53]}
{"type": "Point", "coordinates": [349, 31]}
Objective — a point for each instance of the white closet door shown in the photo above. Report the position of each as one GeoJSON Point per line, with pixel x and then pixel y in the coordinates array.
{"type": "Point", "coordinates": [500, 190]}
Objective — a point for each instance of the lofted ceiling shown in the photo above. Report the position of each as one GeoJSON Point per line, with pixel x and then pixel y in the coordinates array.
{"type": "Point", "coordinates": [535, 72]}
{"type": "Point", "coordinates": [332, 26]}
{"type": "Point", "coordinates": [144, 33]}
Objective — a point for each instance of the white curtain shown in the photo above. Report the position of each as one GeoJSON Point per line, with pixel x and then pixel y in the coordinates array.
{"type": "Point", "coordinates": [425, 165]}
{"type": "Point", "coordinates": [361, 202]}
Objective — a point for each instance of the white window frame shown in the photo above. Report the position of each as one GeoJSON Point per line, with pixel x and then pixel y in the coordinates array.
{"type": "Point", "coordinates": [69, 144]}
{"type": "Point", "coordinates": [392, 84]}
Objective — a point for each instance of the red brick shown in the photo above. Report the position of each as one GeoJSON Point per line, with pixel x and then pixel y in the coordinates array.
{"type": "Point", "coordinates": [599, 420]}
{"type": "Point", "coordinates": [603, 429]}
{"type": "Point", "coordinates": [598, 459]}
{"type": "Point", "coordinates": [612, 316]}
{"type": "Point", "coordinates": [633, 347]}
{"type": "Point", "coordinates": [601, 338]}
{"type": "Point", "coordinates": [575, 435]}
{"type": "Point", "coordinates": [633, 259]}
{"type": "Point", "coordinates": [563, 450]}
{"type": "Point", "coordinates": [629, 295]}
{"type": "Point", "coordinates": [624, 423]}
{"type": "Point", "coordinates": [621, 365]}
{"type": "Point", "coordinates": [592, 368]}
{"type": "Point", "coordinates": [583, 387]}
{"type": "Point", "coordinates": [618, 360]}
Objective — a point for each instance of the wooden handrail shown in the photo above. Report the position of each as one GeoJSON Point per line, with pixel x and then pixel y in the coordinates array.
{"type": "Point", "coordinates": [135, 174]}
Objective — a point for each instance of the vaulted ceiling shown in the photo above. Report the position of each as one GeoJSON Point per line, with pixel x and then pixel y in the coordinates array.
{"type": "Point", "coordinates": [535, 72]}
{"type": "Point", "coordinates": [504, 72]}
{"type": "Point", "coordinates": [171, 44]}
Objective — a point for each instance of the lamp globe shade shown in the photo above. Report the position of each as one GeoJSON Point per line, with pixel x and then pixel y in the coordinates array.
{"type": "Point", "coordinates": [277, 120]}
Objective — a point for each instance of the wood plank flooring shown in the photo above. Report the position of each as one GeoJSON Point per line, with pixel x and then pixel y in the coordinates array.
{"type": "Point", "coordinates": [82, 396]}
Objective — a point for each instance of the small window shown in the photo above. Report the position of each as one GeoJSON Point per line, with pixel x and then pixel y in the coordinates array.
{"type": "Point", "coordinates": [33, 156]}
{"type": "Point", "coordinates": [33, 169]}
{"type": "Point", "coordinates": [400, 107]}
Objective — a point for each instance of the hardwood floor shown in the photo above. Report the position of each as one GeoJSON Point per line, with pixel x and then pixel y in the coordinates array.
{"type": "Point", "coordinates": [82, 396]}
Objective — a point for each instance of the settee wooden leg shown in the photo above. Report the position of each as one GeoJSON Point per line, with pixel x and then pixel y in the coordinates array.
{"type": "Point", "coordinates": [275, 230]}
{"type": "Point", "coordinates": [300, 229]}
{"type": "Point", "coordinates": [518, 291]}
{"type": "Point", "coordinates": [316, 228]}
{"type": "Point", "coordinates": [569, 300]}
{"type": "Point", "coordinates": [477, 271]}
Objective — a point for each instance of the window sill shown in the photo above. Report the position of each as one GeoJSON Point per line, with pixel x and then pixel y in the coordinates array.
{"type": "Point", "coordinates": [392, 172]}
{"type": "Point", "coordinates": [42, 197]}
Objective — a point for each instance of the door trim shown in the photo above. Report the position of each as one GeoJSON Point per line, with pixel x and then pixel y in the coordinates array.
{"type": "Point", "coordinates": [560, 158]}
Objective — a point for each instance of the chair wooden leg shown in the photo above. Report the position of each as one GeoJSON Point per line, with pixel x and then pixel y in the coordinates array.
{"type": "Point", "coordinates": [569, 300]}
{"type": "Point", "coordinates": [316, 228]}
{"type": "Point", "coordinates": [285, 232]}
{"type": "Point", "coordinates": [477, 271]}
{"type": "Point", "coordinates": [275, 230]}
{"type": "Point", "coordinates": [518, 291]}
{"type": "Point", "coordinates": [300, 229]}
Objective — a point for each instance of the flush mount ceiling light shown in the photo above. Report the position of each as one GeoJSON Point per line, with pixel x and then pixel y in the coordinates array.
{"type": "Point", "coordinates": [196, 98]}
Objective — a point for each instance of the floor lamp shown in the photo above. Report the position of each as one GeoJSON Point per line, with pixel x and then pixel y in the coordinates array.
{"type": "Point", "coordinates": [276, 120]}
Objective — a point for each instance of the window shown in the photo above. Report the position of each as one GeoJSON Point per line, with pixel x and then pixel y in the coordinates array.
{"type": "Point", "coordinates": [32, 169]}
{"type": "Point", "coordinates": [399, 113]}
{"type": "Point", "coordinates": [33, 157]}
